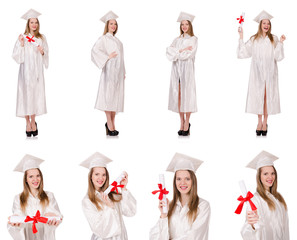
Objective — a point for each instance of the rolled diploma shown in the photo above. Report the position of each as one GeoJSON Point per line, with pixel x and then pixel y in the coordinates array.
{"type": "Point", "coordinates": [21, 219]}
{"type": "Point", "coordinates": [34, 43]}
{"type": "Point", "coordinates": [118, 180]}
{"type": "Point", "coordinates": [244, 193]}
{"type": "Point", "coordinates": [242, 15]}
{"type": "Point", "coordinates": [162, 182]}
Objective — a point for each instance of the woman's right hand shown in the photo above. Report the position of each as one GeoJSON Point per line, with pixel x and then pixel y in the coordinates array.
{"type": "Point", "coordinates": [112, 55]}
{"type": "Point", "coordinates": [13, 224]}
{"type": "Point", "coordinates": [161, 205]}
{"type": "Point", "coordinates": [240, 31]}
{"type": "Point", "coordinates": [21, 39]}
{"type": "Point", "coordinates": [190, 48]}
{"type": "Point", "coordinates": [252, 217]}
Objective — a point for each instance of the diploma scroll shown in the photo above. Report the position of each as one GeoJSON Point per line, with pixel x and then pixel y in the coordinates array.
{"type": "Point", "coordinates": [21, 219]}
{"type": "Point", "coordinates": [162, 181]}
{"type": "Point", "coordinates": [244, 193]}
{"type": "Point", "coordinates": [241, 20]}
{"type": "Point", "coordinates": [115, 184]}
{"type": "Point", "coordinates": [30, 40]}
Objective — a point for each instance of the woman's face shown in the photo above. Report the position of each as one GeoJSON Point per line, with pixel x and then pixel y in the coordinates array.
{"type": "Point", "coordinates": [33, 179]}
{"type": "Point", "coordinates": [265, 26]}
{"type": "Point", "coordinates": [183, 181]}
{"type": "Point", "coordinates": [112, 26]}
{"type": "Point", "coordinates": [33, 24]}
{"type": "Point", "coordinates": [267, 177]}
{"type": "Point", "coordinates": [185, 26]}
{"type": "Point", "coordinates": [98, 177]}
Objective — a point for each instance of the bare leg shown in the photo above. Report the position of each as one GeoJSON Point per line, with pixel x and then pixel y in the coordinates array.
{"type": "Point", "coordinates": [186, 125]}
{"type": "Point", "coordinates": [109, 121]}
{"type": "Point", "coordinates": [259, 127]}
{"type": "Point", "coordinates": [113, 119]}
{"type": "Point", "coordinates": [181, 114]}
{"type": "Point", "coordinates": [264, 125]}
{"type": "Point", "coordinates": [28, 124]}
{"type": "Point", "coordinates": [33, 125]}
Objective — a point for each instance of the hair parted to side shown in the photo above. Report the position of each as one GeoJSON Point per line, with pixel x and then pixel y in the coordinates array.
{"type": "Point", "coordinates": [193, 202]}
{"type": "Point", "coordinates": [190, 31]}
{"type": "Point", "coordinates": [114, 197]}
{"type": "Point", "coordinates": [41, 193]}
{"type": "Point", "coordinates": [37, 34]}
{"type": "Point", "coordinates": [106, 28]}
{"type": "Point", "coordinates": [260, 33]}
{"type": "Point", "coordinates": [273, 190]}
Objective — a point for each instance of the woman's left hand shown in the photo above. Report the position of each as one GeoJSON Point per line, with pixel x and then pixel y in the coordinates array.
{"type": "Point", "coordinates": [282, 38]}
{"type": "Point", "coordinates": [40, 49]}
{"type": "Point", "coordinates": [52, 222]}
{"type": "Point", "coordinates": [125, 181]}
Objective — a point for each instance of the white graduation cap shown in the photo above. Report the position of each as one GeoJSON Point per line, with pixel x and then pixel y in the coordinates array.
{"type": "Point", "coordinates": [185, 16]}
{"type": "Point", "coordinates": [31, 14]}
{"type": "Point", "coordinates": [263, 15]}
{"type": "Point", "coordinates": [183, 162]}
{"type": "Point", "coordinates": [108, 16]}
{"type": "Point", "coordinates": [28, 162]}
{"type": "Point", "coordinates": [263, 159]}
{"type": "Point", "coordinates": [96, 160]}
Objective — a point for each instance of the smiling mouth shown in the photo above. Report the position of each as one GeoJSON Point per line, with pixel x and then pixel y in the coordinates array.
{"type": "Point", "coordinates": [183, 187]}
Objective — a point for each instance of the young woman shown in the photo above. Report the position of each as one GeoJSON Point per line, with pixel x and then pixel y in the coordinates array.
{"type": "Point", "coordinates": [108, 55]}
{"type": "Point", "coordinates": [265, 50]}
{"type": "Point", "coordinates": [182, 92]}
{"type": "Point", "coordinates": [104, 212]}
{"type": "Point", "coordinates": [33, 198]}
{"type": "Point", "coordinates": [188, 215]}
{"type": "Point", "coordinates": [31, 52]}
{"type": "Point", "coordinates": [271, 215]}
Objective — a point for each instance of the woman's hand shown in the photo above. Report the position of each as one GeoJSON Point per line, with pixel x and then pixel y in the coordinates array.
{"type": "Point", "coordinates": [252, 217]}
{"type": "Point", "coordinates": [106, 200]}
{"type": "Point", "coordinates": [53, 222]}
{"type": "Point", "coordinates": [40, 49]}
{"type": "Point", "coordinates": [187, 48]}
{"type": "Point", "coordinates": [125, 181]}
{"type": "Point", "coordinates": [21, 39]}
{"type": "Point", "coordinates": [13, 224]}
{"type": "Point", "coordinates": [112, 55]}
{"type": "Point", "coordinates": [282, 38]}
{"type": "Point", "coordinates": [161, 204]}
{"type": "Point", "coordinates": [240, 31]}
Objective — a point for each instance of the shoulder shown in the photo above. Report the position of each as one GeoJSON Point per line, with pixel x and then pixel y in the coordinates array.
{"type": "Point", "coordinates": [203, 203]}
{"type": "Point", "coordinates": [50, 195]}
{"type": "Point", "coordinates": [275, 38]}
{"type": "Point", "coordinates": [17, 197]}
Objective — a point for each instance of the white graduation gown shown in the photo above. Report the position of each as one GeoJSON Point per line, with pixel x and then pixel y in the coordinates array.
{"type": "Point", "coordinates": [263, 73]}
{"type": "Point", "coordinates": [183, 71]}
{"type": "Point", "coordinates": [108, 224]}
{"type": "Point", "coordinates": [274, 225]}
{"type": "Point", "coordinates": [110, 95]}
{"type": "Point", "coordinates": [179, 227]}
{"type": "Point", "coordinates": [24, 232]}
{"type": "Point", "coordinates": [31, 90]}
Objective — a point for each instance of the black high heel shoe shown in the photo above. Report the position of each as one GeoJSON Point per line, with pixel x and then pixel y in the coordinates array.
{"type": "Point", "coordinates": [264, 133]}
{"type": "Point", "coordinates": [180, 132]}
{"type": "Point", "coordinates": [28, 133]}
{"type": "Point", "coordinates": [258, 132]}
{"type": "Point", "coordinates": [108, 132]}
{"type": "Point", "coordinates": [186, 133]}
{"type": "Point", "coordinates": [35, 133]}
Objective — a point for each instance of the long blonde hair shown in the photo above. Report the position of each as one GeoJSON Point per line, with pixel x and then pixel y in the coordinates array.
{"type": "Point", "coordinates": [190, 30]}
{"type": "Point", "coordinates": [193, 202]}
{"type": "Point", "coordinates": [273, 190]}
{"type": "Point", "coordinates": [37, 34]}
{"type": "Point", "coordinates": [114, 197]}
{"type": "Point", "coordinates": [260, 33]}
{"type": "Point", "coordinates": [106, 28]}
{"type": "Point", "coordinates": [25, 194]}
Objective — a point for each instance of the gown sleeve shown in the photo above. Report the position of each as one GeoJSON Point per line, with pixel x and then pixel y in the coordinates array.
{"type": "Point", "coordinates": [160, 231]}
{"type": "Point", "coordinates": [17, 233]}
{"type": "Point", "coordinates": [184, 55]}
{"type": "Point", "coordinates": [172, 52]}
{"type": "Point", "coordinates": [104, 223]}
{"type": "Point", "coordinates": [45, 57]}
{"type": "Point", "coordinates": [128, 204]}
{"type": "Point", "coordinates": [244, 50]}
{"type": "Point", "coordinates": [279, 50]}
{"type": "Point", "coordinates": [18, 52]}
{"type": "Point", "coordinates": [98, 54]}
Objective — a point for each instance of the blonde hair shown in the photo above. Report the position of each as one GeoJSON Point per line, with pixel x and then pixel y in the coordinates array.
{"type": "Point", "coordinates": [37, 34]}
{"type": "Point", "coordinates": [193, 202]}
{"type": "Point", "coordinates": [114, 197]}
{"type": "Point", "coordinates": [273, 190]}
{"type": "Point", "coordinates": [41, 193]}
{"type": "Point", "coordinates": [190, 30]}
{"type": "Point", "coordinates": [260, 33]}
{"type": "Point", "coordinates": [106, 28]}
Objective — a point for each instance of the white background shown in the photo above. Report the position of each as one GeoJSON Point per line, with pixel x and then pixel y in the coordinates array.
{"type": "Point", "coordinates": [222, 134]}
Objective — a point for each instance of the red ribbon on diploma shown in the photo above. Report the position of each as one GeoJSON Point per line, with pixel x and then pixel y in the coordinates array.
{"type": "Point", "coordinates": [161, 191]}
{"type": "Point", "coordinates": [242, 200]}
{"type": "Point", "coordinates": [241, 19]}
{"type": "Point", "coordinates": [35, 220]}
{"type": "Point", "coordinates": [30, 39]}
{"type": "Point", "coordinates": [115, 186]}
